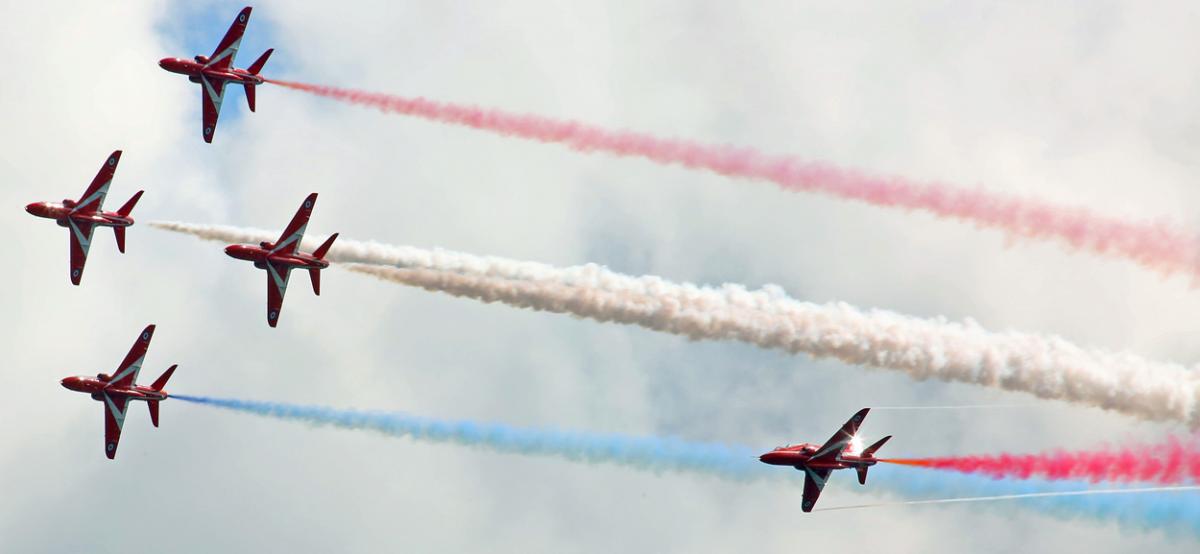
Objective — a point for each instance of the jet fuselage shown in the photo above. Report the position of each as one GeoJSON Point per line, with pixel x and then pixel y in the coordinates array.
{"type": "Point", "coordinates": [800, 455]}
{"type": "Point", "coordinates": [96, 385]}
{"type": "Point", "coordinates": [195, 69]}
{"type": "Point", "coordinates": [261, 255]}
{"type": "Point", "coordinates": [61, 212]}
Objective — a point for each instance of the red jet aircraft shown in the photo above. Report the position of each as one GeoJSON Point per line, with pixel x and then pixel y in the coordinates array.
{"type": "Point", "coordinates": [282, 256]}
{"type": "Point", "coordinates": [817, 462]}
{"type": "Point", "coordinates": [213, 72]}
{"type": "Point", "coordinates": [83, 216]}
{"type": "Point", "coordinates": [117, 390]}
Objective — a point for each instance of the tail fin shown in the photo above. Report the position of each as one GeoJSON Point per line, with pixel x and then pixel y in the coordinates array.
{"type": "Point", "coordinates": [862, 474]}
{"type": "Point", "coordinates": [315, 275]}
{"type": "Point", "coordinates": [870, 450]}
{"type": "Point", "coordinates": [128, 207]}
{"type": "Point", "coordinates": [260, 62]}
{"type": "Point", "coordinates": [162, 379]}
{"type": "Point", "coordinates": [120, 234]}
{"type": "Point", "coordinates": [153, 405]}
{"type": "Point", "coordinates": [250, 95]}
{"type": "Point", "coordinates": [320, 252]}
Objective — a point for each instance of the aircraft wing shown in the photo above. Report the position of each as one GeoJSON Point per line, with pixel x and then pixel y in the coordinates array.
{"type": "Point", "coordinates": [93, 198]}
{"type": "Point", "coordinates": [114, 419]}
{"type": "Point", "coordinates": [222, 57]}
{"type": "Point", "coordinates": [81, 241]}
{"type": "Point", "coordinates": [289, 241]}
{"type": "Point", "coordinates": [837, 443]}
{"type": "Point", "coordinates": [212, 93]}
{"type": "Point", "coordinates": [127, 373]}
{"type": "Point", "coordinates": [277, 280]}
{"type": "Point", "coordinates": [814, 482]}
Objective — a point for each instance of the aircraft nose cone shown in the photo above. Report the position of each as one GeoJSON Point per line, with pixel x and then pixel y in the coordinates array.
{"type": "Point", "coordinates": [231, 250]}
{"type": "Point", "coordinates": [32, 208]}
{"type": "Point", "coordinates": [66, 382]}
{"type": "Point", "coordinates": [163, 62]}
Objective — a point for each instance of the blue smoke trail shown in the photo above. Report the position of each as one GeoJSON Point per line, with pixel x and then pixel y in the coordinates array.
{"type": "Point", "coordinates": [1176, 513]}
{"type": "Point", "coordinates": [649, 453]}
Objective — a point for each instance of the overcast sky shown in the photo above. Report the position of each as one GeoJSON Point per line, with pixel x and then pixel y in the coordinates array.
{"type": "Point", "coordinates": [1090, 103]}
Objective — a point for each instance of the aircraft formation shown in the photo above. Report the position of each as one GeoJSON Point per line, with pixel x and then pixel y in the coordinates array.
{"type": "Point", "coordinates": [117, 390]}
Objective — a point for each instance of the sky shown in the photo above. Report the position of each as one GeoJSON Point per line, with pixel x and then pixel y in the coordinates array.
{"type": "Point", "coordinates": [1087, 103]}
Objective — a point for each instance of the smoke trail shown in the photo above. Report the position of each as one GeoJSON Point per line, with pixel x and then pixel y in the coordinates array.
{"type": "Point", "coordinates": [1173, 461]}
{"type": "Point", "coordinates": [1047, 367]}
{"type": "Point", "coordinates": [1156, 245]}
{"type": "Point", "coordinates": [953, 407]}
{"type": "Point", "coordinates": [648, 453]}
{"type": "Point", "coordinates": [1143, 490]}
{"type": "Point", "coordinates": [1175, 513]}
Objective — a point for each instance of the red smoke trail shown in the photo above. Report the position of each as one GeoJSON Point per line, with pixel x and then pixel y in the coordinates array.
{"type": "Point", "coordinates": [1172, 462]}
{"type": "Point", "coordinates": [1156, 245]}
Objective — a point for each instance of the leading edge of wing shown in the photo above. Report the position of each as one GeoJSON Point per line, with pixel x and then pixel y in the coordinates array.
{"type": "Point", "coordinates": [93, 197]}
{"type": "Point", "coordinates": [212, 95]}
{"type": "Point", "coordinates": [290, 239]}
{"type": "Point", "coordinates": [114, 419]}
{"type": "Point", "coordinates": [81, 241]}
{"type": "Point", "coordinates": [222, 57]}
{"type": "Point", "coordinates": [837, 443]}
{"type": "Point", "coordinates": [277, 280]}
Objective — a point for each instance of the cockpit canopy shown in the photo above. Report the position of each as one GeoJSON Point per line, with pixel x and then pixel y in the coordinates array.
{"type": "Point", "coordinates": [103, 376]}
{"type": "Point", "coordinates": [201, 59]}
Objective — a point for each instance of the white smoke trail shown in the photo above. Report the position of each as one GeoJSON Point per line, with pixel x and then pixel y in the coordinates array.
{"type": "Point", "coordinates": [1057, 494]}
{"type": "Point", "coordinates": [953, 407]}
{"type": "Point", "coordinates": [1044, 366]}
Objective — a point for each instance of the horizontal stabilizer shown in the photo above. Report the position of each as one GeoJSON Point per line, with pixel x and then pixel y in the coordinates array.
{"type": "Point", "coordinates": [153, 405]}
{"type": "Point", "coordinates": [250, 95]}
{"type": "Point", "coordinates": [259, 63]}
{"type": "Point", "coordinates": [128, 207]}
{"type": "Point", "coordinates": [315, 275]}
{"type": "Point", "coordinates": [162, 379]}
{"type": "Point", "coordinates": [119, 232]}
{"type": "Point", "coordinates": [870, 450]}
{"type": "Point", "coordinates": [320, 252]}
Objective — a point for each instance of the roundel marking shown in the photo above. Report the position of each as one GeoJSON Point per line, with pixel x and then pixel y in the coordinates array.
{"type": "Point", "coordinates": [112, 161]}
{"type": "Point", "coordinates": [273, 314]}
{"type": "Point", "coordinates": [145, 335]}
{"type": "Point", "coordinates": [242, 17]}
{"type": "Point", "coordinates": [807, 503]}
{"type": "Point", "coordinates": [111, 446]}
{"type": "Point", "coordinates": [308, 204]}
{"type": "Point", "coordinates": [208, 130]}
{"type": "Point", "coordinates": [75, 273]}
